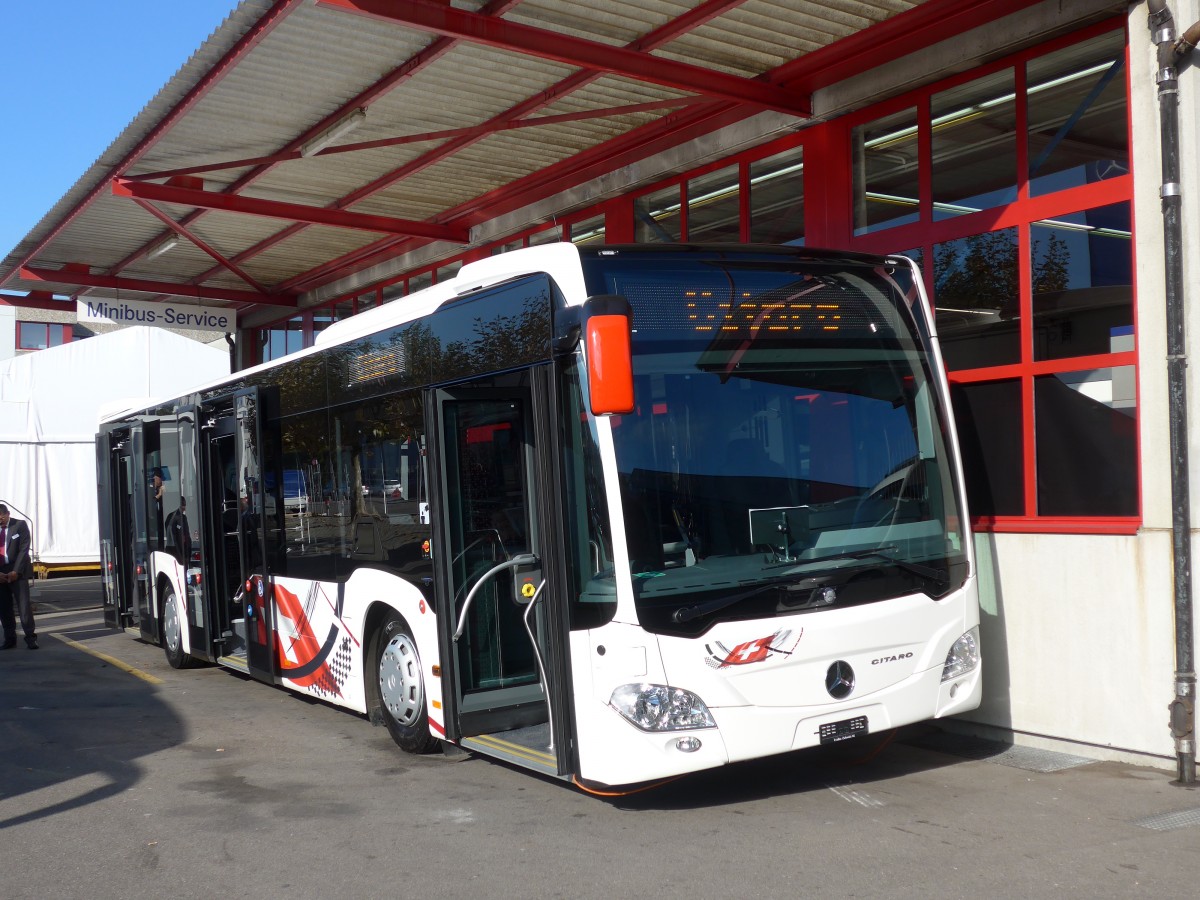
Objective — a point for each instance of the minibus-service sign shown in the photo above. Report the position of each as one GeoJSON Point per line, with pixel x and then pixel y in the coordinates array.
{"type": "Point", "coordinates": [158, 315]}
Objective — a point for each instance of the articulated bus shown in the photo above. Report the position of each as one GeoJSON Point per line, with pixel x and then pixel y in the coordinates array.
{"type": "Point", "coordinates": [611, 514]}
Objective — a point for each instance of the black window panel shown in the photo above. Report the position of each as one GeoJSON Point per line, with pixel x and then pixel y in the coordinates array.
{"type": "Point", "coordinates": [988, 417]}
{"type": "Point", "coordinates": [1086, 447]}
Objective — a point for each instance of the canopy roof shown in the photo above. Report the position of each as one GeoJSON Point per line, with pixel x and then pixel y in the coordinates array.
{"type": "Point", "coordinates": [310, 139]}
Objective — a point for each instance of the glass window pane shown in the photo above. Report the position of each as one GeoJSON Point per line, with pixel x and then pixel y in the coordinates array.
{"type": "Point", "coordinates": [367, 300]}
{"type": "Point", "coordinates": [277, 343]}
{"type": "Point", "coordinates": [974, 146]}
{"type": "Point", "coordinates": [988, 418]}
{"type": "Point", "coordinates": [31, 336]}
{"type": "Point", "coordinates": [392, 292]}
{"type": "Point", "coordinates": [420, 282]}
{"type": "Point", "coordinates": [1078, 127]}
{"type": "Point", "coordinates": [656, 216]}
{"type": "Point", "coordinates": [1083, 283]}
{"type": "Point", "coordinates": [448, 271]}
{"type": "Point", "coordinates": [714, 212]}
{"type": "Point", "coordinates": [295, 335]}
{"type": "Point", "coordinates": [977, 299]}
{"type": "Point", "coordinates": [1087, 443]}
{"type": "Point", "coordinates": [335, 312]}
{"type": "Point", "coordinates": [549, 236]}
{"type": "Point", "coordinates": [505, 248]}
{"type": "Point", "coordinates": [886, 189]}
{"type": "Point", "coordinates": [589, 231]}
{"type": "Point", "coordinates": [777, 198]}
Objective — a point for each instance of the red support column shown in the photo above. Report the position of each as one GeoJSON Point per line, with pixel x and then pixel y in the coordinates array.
{"type": "Point", "coordinates": [618, 221]}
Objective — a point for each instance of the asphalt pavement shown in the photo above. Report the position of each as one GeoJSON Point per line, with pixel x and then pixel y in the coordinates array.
{"type": "Point", "coordinates": [68, 593]}
{"type": "Point", "coordinates": [141, 781]}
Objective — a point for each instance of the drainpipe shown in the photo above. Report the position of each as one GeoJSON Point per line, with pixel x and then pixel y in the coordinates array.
{"type": "Point", "coordinates": [1183, 708]}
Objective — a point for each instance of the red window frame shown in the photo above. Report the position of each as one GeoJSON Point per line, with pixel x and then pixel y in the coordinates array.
{"type": "Point", "coordinates": [828, 202]}
{"type": "Point", "coordinates": [1021, 214]}
{"type": "Point", "coordinates": [66, 334]}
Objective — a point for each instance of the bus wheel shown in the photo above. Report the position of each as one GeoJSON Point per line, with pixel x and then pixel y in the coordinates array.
{"type": "Point", "coordinates": [172, 632]}
{"type": "Point", "coordinates": [401, 687]}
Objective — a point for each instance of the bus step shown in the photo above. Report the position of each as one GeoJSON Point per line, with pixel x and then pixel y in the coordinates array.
{"type": "Point", "coordinates": [235, 661]}
{"type": "Point", "coordinates": [525, 747]}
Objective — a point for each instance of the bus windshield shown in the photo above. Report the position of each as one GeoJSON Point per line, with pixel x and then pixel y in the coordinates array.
{"type": "Point", "coordinates": [788, 450]}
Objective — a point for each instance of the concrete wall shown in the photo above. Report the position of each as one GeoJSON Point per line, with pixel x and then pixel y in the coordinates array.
{"type": "Point", "coordinates": [1078, 631]}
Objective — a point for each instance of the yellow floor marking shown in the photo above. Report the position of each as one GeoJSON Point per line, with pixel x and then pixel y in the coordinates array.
{"type": "Point", "coordinates": [111, 660]}
{"type": "Point", "coordinates": [487, 740]}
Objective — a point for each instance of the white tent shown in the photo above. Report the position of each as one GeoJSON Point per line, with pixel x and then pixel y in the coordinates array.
{"type": "Point", "coordinates": [50, 405]}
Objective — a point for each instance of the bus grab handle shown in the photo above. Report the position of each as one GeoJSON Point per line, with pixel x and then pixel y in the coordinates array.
{"type": "Point", "coordinates": [521, 559]}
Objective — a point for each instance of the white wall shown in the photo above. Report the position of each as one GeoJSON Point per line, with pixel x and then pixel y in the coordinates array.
{"type": "Point", "coordinates": [8, 332]}
{"type": "Point", "coordinates": [1077, 640]}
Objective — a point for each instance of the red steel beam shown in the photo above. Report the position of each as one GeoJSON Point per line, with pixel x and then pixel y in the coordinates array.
{"type": "Point", "coordinates": [187, 234]}
{"type": "Point", "coordinates": [917, 28]}
{"type": "Point", "coordinates": [443, 19]}
{"type": "Point", "coordinates": [33, 301]}
{"type": "Point", "coordinates": [142, 285]}
{"type": "Point", "coordinates": [592, 163]}
{"type": "Point", "coordinates": [364, 98]}
{"type": "Point", "coordinates": [272, 17]}
{"type": "Point", "coordinates": [487, 128]}
{"type": "Point", "coordinates": [296, 212]}
{"type": "Point", "coordinates": [706, 11]}
{"type": "Point", "coordinates": [879, 44]}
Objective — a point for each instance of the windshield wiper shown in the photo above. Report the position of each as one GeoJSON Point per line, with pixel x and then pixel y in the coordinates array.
{"type": "Point", "coordinates": [884, 553]}
{"type": "Point", "coordinates": [687, 613]}
{"type": "Point", "coordinates": [814, 586]}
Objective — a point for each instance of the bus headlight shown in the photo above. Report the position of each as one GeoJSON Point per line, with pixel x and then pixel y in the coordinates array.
{"type": "Point", "coordinates": [963, 656]}
{"type": "Point", "coordinates": [657, 707]}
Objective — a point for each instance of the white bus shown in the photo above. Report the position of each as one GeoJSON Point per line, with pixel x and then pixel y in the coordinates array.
{"type": "Point", "coordinates": [655, 509]}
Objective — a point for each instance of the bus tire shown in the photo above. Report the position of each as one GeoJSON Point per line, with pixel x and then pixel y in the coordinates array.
{"type": "Point", "coordinates": [400, 686]}
{"type": "Point", "coordinates": [172, 632]}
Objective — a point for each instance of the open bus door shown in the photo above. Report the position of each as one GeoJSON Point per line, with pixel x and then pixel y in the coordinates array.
{"type": "Point", "coordinates": [237, 512]}
{"type": "Point", "coordinates": [191, 541]}
{"type": "Point", "coordinates": [500, 610]}
{"type": "Point", "coordinates": [130, 525]}
{"type": "Point", "coordinates": [114, 455]}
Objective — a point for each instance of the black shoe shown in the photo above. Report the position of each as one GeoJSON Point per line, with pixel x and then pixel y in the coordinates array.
{"type": "Point", "coordinates": [8, 646]}
{"type": "Point", "coordinates": [32, 645]}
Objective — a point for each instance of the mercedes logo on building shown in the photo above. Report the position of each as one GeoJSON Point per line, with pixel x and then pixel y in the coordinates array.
{"type": "Point", "coordinates": [839, 680]}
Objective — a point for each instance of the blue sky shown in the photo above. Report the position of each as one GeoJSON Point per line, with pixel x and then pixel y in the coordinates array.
{"type": "Point", "coordinates": [76, 72]}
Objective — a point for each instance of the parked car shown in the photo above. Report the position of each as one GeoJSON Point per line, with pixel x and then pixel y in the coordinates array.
{"type": "Point", "coordinates": [392, 490]}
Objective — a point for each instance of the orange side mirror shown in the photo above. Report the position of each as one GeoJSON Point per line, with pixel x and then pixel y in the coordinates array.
{"type": "Point", "coordinates": [610, 364]}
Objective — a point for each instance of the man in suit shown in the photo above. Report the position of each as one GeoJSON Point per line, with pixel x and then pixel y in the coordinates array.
{"type": "Point", "coordinates": [15, 571]}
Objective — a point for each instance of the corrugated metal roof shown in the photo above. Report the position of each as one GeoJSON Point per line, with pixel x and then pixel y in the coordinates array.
{"type": "Point", "coordinates": [275, 73]}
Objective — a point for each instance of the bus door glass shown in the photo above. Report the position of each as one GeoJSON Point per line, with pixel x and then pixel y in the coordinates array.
{"type": "Point", "coordinates": [258, 510]}
{"type": "Point", "coordinates": [120, 576]}
{"type": "Point", "coordinates": [141, 500]}
{"type": "Point", "coordinates": [236, 501]}
{"type": "Point", "coordinates": [488, 498]}
{"type": "Point", "coordinates": [185, 537]}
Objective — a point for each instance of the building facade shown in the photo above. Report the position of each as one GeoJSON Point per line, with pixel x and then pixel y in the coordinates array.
{"type": "Point", "coordinates": [1020, 166]}
{"type": "Point", "coordinates": [1017, 155]}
